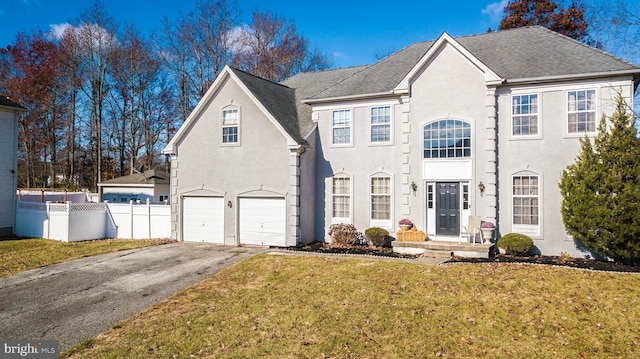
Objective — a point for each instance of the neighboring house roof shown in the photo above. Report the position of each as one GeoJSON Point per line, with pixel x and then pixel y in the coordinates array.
{"type": "Point", "coordinates": [523, 53]}
{"type": "Point", "coordinates": [147, 179]}
{"type": "Point", "coordinates": [7, 103]}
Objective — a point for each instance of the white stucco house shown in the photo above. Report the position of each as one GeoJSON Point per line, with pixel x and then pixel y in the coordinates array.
{"type": "Point", "coordinates": [439, 131]}
{"type": "Point", "coordinates": [152, 185]}
{"type": "Point", "coordinates": [9, 111]}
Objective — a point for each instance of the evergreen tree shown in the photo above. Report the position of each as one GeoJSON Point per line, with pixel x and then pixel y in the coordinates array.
{"type": "Point", "coordinates": [601, 190]}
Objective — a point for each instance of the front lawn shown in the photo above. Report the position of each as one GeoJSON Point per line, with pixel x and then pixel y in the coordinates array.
{"type": "Point", "coordinates": [24, 254]}
{"type": "Point", "coordinates": [316, 307]}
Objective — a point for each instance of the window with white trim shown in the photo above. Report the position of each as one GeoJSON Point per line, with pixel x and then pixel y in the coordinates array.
{"type": "Point", "coordinates": [381, 198]}
{"type": "Point", "coordinates": [381, 124]}
{"type": "Point", "coordinates": [526, 201]}
{"type": "Point", "coordinates": [341, 192]}
{"type": "Point", "coordinates": [524, 115]}
{"type": "Point", "coordinates": [341, 125]}
{"type": "Point", "coordinates": [230, 121]}
{"type": "Point", "coordinates": [447, 139]}
{"type": "Point", "coordinates": [581, 111]}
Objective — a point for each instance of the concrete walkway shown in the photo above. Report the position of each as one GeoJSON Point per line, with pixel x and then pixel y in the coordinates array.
{"type": "Point", "coordinates": [79, 299]}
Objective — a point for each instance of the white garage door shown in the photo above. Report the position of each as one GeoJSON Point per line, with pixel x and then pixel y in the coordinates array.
{"type": "Point", "coordinates": [203, 219]}
{"type": "Point", "coordinates": [262, 221]}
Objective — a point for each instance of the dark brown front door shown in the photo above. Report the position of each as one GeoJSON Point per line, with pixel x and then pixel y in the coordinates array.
{"type": "Point", "coordinates": [448, 209]}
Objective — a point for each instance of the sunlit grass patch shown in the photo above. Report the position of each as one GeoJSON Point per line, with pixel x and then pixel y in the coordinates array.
{"type": "Point", "coordinates": [311, 307]}
{"type": "Point", "coordinates": [24, 254]}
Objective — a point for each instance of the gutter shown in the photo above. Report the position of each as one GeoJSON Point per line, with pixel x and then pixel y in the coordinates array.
{"type": "Point", "coordinates": [351, 97]}
{"type": "Point", "coordinates": [532, 80]}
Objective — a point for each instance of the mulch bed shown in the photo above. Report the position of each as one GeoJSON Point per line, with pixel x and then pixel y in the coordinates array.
{"type": "Point", "coordinates": [323, 248]}
{"type": "Point", "coordinates": [582, 263]}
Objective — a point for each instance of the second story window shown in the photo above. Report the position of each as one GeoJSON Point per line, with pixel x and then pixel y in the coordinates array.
{"type": "Point", "coordinates": [447, 139]}
{"type": "Point", "coordinates": [230, 126]}
{"type": "Point", "coordinates": [381, 124]}
{"type": "Point", "coordinates": [581, 110]}
{"type": "Point", "coordinates": [341, 125]}
{"type": "Point", "coordinates": [524, 115]}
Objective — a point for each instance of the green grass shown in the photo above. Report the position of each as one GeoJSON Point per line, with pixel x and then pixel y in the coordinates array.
{"type": "Point", "coordinates": [24, 254]}
{"type": "Point", "coordinates": [316, 307]}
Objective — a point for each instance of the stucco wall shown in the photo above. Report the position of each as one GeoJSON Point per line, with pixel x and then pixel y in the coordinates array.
{"type": "Point", "coordinates": [449, 87]}
{"type": "Point", "coordinates": [259, 165]}
{"type": "Point", "coordinates": [548, 154]}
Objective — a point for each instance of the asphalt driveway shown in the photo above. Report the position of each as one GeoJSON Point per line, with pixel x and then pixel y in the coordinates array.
{"type": "Point", "coordinates": [79, 299]}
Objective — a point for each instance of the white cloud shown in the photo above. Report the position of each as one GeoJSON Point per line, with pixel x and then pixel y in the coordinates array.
{"type": "Point", "coordinates": [495, 10]}
{"type": "Point", "coordinates": [57, 29]}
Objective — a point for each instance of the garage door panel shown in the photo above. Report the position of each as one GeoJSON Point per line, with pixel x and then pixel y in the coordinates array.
{"type": "Point", "coordinates": [262, 221]}
{"type": "Point", "coordinates": [203, 219]}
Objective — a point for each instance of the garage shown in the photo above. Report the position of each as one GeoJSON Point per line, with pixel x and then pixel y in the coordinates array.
{"type": "Point", "coordinates": [262, 221]}
{"type": "Point", "coordinates": [203, 219]}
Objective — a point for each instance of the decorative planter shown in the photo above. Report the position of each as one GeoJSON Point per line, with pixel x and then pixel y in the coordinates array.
{"type": "Point", "coordinates": [487, 234]}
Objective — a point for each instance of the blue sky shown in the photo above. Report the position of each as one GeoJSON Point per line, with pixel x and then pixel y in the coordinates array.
{"type": "Point", "coordinates": [352, 32]}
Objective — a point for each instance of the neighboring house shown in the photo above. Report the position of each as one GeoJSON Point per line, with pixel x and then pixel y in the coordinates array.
{"type": "Point", "coordinates": [8, 164]}
{"type": "Point", "coordinates": [436, 132]}
{"type": "Point", "coordinates": [152, 185]}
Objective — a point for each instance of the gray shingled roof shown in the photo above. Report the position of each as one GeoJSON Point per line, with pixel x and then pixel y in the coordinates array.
{"type": "Point", "coordinates": [528, 52]}
{"type": "Point", "coordinates": [148, 177]}
{"type": "Point", "coordinates": [278, 99]}
{"type": "Point", "coordinates": [534, 52]}
{"type": "Point", "coordinates": [523, 53]}
{"type": "Point", "coordinates": [308, 84]}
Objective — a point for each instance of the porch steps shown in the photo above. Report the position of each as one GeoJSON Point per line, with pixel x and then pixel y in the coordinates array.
{"type": "Point", "coordinates": [442, 249]}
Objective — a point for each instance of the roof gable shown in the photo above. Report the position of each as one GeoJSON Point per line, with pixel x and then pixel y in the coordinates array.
{"type": "Point", "coordinates": [276, 101]}
{"type": "Point", "coordinates": [445, 40]}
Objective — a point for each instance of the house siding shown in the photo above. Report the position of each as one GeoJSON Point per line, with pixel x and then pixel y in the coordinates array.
{"type": "Point", "coordinates": [8, 170]}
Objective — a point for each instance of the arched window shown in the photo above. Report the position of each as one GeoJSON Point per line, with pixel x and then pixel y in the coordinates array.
{"type": "Point", "coordinates": [447, 139]}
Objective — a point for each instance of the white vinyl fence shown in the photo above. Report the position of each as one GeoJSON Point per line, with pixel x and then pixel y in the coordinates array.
{"type": "Point", "coordinates": [72, 222]}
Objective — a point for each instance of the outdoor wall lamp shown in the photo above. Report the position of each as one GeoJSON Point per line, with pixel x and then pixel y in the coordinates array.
{"type": "Point", "coordinates": [229, 204]}
{"type": "Point", "coordinates": [414, 187]}
{"type": "Point", "coordinates": [481, 187]}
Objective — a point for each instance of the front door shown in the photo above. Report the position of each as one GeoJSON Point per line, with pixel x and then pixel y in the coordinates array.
{"type": "Point", "coordinates": [447, 209]}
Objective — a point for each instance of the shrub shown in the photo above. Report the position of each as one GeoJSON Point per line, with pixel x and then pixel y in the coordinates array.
{"type": "Point", "coordinates": [343, 233]}
{"type": "Point", "coordinates": [516, 244]}
{"type": "Point", "coordinates": [600, 189]}
{"type": "Point", "coordinates": [377, 236]}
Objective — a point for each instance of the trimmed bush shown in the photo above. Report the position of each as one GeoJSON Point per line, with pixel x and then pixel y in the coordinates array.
{"type": "Point", "coordinates": [377, 236]}
{"type": "Point", "coordinates": [516, 244]}
{"type": "Point", "coordinates": [343, 233]}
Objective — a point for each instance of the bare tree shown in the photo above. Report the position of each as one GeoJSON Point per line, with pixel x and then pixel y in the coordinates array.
{"type": "Point", "coordinates": [270, 47]}
{"type": "Point", "coordinates": [196, 48]}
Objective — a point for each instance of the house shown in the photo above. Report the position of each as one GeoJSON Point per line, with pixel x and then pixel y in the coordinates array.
{"type": "Point", "coordinates": [441, 130]}
{"type": "Point", "coordinates": [9, 111]}
{"type": "Point", "coordinates": [152, 185]}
